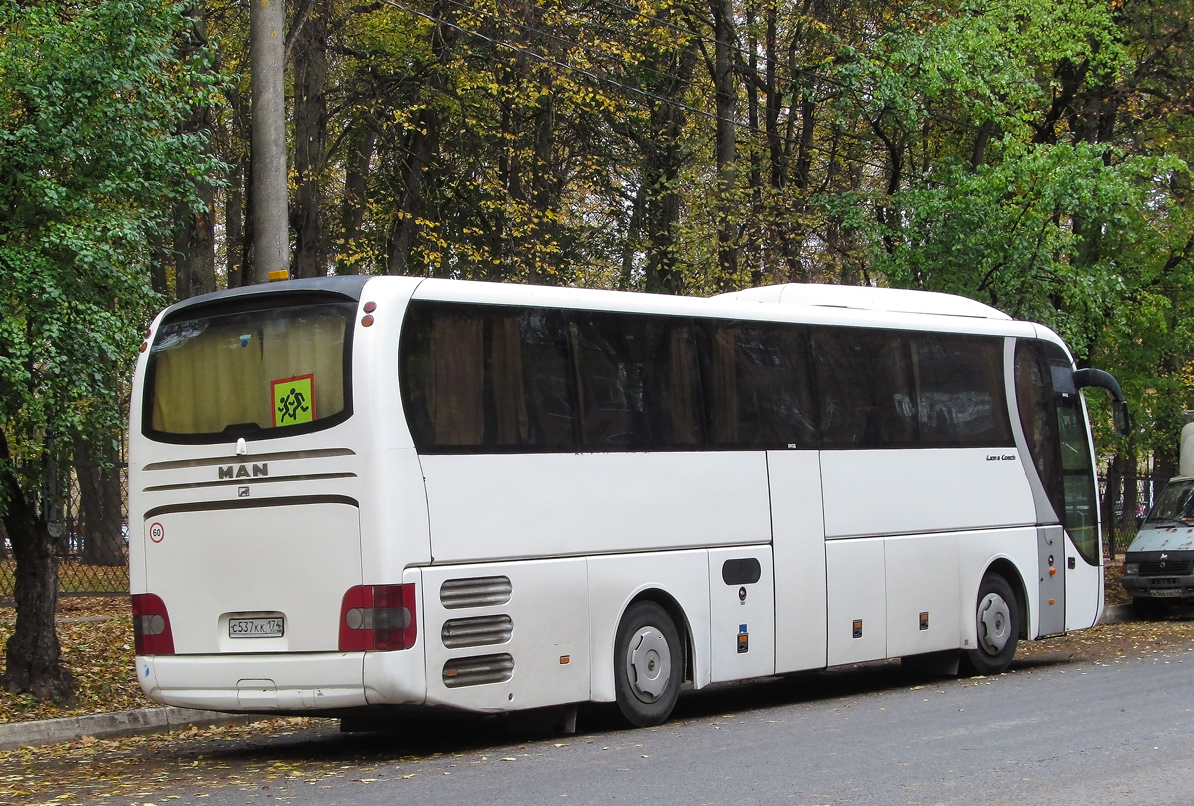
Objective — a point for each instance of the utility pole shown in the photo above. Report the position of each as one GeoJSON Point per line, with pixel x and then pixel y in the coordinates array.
{"type": "Point", "coordinates": [271, 233]}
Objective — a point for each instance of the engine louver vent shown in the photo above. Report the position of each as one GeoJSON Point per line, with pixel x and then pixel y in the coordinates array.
{"type": "Point", "coordinates": [476, 631]}
{"type": "Point", "coordinates": [474, 592]}
{"type": "Point", "coordinates": [478, 670]}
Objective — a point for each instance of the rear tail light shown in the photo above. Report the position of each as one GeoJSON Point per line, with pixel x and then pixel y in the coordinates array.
{"type": "Point", "coordinates": [380, 617]}
{"type": "Point", "coordinates": [151, 625]}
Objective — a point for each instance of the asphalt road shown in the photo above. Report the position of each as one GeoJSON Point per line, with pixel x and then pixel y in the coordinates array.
{"type": "Point", "coordinates": [1049, 732]}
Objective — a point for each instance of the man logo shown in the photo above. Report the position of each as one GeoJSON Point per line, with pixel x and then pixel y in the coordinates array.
{"type": "Point", "coordinates": [242, 471]}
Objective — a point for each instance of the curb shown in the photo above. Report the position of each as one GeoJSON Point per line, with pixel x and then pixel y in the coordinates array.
{"type": "Point", "coordinates": [113, 725]}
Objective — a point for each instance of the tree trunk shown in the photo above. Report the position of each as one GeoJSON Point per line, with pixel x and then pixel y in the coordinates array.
{"type": "Point", "coordinates": [234, 227]}
{"type": "Point", "coordinates": [100, 496]}
{"type": "Point", "coordinates": [310, 138]}
{"type": "Point", "coordinates": [356, 184]}
{"type": "Point", "coordinates": [271, 233]}
{"type": "Point", "coordinates": [194, 237]}
{"type": "Point", "coordinates": [33, 662]}
{"type": "Point", "coordinates": [723, 82]}
{"type": "Point", "coordinates": [195, 249]}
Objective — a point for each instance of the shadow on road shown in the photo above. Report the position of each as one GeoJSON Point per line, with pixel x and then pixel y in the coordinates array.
{"type": "Point", "coordinates": [406, 738]}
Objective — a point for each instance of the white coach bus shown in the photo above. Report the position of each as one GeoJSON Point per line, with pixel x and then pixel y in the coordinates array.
{"type": "Point", "coordinates": [383, 493]}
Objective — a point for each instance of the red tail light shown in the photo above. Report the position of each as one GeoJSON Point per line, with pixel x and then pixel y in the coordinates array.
{"type": "Point", "coordinates": [378, 617]}
{"type": "Point", "coordinates": [151, 625]}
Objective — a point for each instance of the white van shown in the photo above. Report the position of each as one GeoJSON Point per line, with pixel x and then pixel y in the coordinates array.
{"type": "Point", "coordinates": [1159, 565]}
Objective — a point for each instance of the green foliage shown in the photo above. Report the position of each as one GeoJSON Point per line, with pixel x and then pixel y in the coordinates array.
{"type": "Point", "coordinates": [91, 164]}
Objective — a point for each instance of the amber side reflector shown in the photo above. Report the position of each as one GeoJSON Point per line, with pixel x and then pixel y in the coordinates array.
{"type": "Point", "coordinates": [366, 320]}
{"type": "Point", "coordinates": [1052, 601]}
{"type": "Point", "coordinates": [565, 660]}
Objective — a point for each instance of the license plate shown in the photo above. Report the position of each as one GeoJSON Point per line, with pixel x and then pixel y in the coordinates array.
{"type": "Point", "coordinates": [256, 627]}
{"type": "Point", "coordinates": [1167, 593]}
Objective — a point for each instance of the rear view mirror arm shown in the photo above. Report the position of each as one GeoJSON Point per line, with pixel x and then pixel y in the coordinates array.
{"type": "Point", "coordinates": [1105, 380]}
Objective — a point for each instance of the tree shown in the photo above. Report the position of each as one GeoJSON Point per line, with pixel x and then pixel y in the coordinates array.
{"type": "Point", "coordinates": [93, 162]}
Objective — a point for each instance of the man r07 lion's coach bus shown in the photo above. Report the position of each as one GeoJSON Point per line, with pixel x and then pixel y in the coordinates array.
{"type": "Point", "coordinates": [360, 495]}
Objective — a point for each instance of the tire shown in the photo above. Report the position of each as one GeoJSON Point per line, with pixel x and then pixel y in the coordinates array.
{"type": "Point", "coordinates": [997, 620]}
{"type": "Point", "coordinates": [648, 664]}
{"type": "Point", "coordinates": [1150, 609]}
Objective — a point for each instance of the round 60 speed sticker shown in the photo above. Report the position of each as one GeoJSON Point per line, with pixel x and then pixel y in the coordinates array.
{"type": "Point", "coordinates": [156, 532]}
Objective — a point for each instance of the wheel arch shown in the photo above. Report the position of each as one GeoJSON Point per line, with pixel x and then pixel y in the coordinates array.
{"type": "Point", "coordinates": [1009, 571]}
{"type": "Point", "coordinates": [672, 607]}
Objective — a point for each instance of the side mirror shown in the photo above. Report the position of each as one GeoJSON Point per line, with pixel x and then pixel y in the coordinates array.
{"type": "Point", "coordinates": [1119, 415]}
{"type": "Point", "coordinates": [1105, 380]}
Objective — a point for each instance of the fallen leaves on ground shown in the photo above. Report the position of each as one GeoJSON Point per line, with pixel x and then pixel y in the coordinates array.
{"type": "Point", "coordinates": [96, 634]}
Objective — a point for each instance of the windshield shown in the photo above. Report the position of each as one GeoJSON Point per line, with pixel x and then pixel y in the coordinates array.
{"type": "Point", "coordinates": [1176, 503]}
{"type": "Point", "coordinates": [250, 373]}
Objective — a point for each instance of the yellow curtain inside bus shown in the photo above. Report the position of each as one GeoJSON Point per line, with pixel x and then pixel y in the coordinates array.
{"type": "Point", "coordinates": [220, 373]}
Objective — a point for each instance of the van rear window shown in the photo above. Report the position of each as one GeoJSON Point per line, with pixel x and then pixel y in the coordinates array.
{"type": "Point", "coordinates": [273, 371]}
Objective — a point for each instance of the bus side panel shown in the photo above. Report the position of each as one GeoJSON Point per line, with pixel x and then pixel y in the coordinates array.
{"type": "Point", "coordinates": [923, 594]}
{"type": "Point", "coordinates": [614, 581]}
{"type": "Point", "coordinates": [741, 613]}
{"type": "Point", "coordinates": [976, 552]}
{"type": "Point", "coordinates": [536, 505]}
{"type": "Point", "coordinates": [873, 492]}
{"type": "Point", "coordinates": [501, 636]}
{"type": "Point", "coordinates": [798, 527]}
{"type": "Point", "coordinates": [1083, 590]}
{"type": "Point", "coordinates": [857, 622]}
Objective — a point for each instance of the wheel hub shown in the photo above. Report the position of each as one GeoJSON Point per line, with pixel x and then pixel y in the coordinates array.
{"type": "Point", "coordinates": [994, 623]}
{"type": "Point", "coordinates": [648, 664]}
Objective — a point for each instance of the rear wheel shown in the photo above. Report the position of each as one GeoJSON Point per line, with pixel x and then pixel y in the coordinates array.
{"type": "Point", "coordinates": [997, 620]}
{"type": "Point", "coordinates": [648, 664]}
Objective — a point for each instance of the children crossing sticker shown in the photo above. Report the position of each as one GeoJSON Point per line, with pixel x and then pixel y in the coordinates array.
{"type": "Point", "coordinates": [294, 400]}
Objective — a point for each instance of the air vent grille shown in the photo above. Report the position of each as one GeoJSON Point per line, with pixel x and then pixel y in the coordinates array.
{"type": "Point", "coordinates": [477, 631]}
{"type": "Point", "coordinates": [478, 670]}
{"type": "Point", "coordinates": [474, 592]}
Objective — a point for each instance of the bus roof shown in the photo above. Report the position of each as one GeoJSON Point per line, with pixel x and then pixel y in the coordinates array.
{"type": "Point", "coordinates": [868, 298]}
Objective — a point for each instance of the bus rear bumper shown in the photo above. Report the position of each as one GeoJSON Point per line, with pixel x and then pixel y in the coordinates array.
{"type": "Point", "coordinates": [255, 683]}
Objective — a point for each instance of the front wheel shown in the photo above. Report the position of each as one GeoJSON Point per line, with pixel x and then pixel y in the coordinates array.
{"type": "Point", "coordinates": [648, 664]}
{"type": "Point", "coordinates": [997, 619]}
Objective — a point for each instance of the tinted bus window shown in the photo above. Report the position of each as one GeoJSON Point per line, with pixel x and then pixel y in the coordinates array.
{"type": "Point", "coordinates": [637, 381]}
{"type": "Point", "coordinates": [758, 385]}
{"type": "Point", "coordinates": [864, 383]}
{"type": "Point", "coordinates": [960, 395]}
{"type": "Point", "coordinates": [487, 378]}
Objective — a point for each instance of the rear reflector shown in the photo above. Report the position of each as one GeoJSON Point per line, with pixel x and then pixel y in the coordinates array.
{"type": "Point", "coordinates": [378, 617]}
{"type": "Point", "coordinates": [151, 626]}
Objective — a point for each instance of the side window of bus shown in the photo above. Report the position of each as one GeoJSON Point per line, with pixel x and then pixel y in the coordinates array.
{"type": "Point", "coordinates": [757, 381]}
{"type": "Point", "coordinates": [486, 378]}
{"type": "Point", "coordinates": [959, 391]}
{"type": "Point", "coordinates": [865, 387]}
{"type": "Point", "coordinates": [637, 382]}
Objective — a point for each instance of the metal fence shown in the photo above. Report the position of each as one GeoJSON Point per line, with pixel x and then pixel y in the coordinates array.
{"type": "Point", "coordinates": [1125, 505]}
{"type": "Point", "coordinates": [89, 524]}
